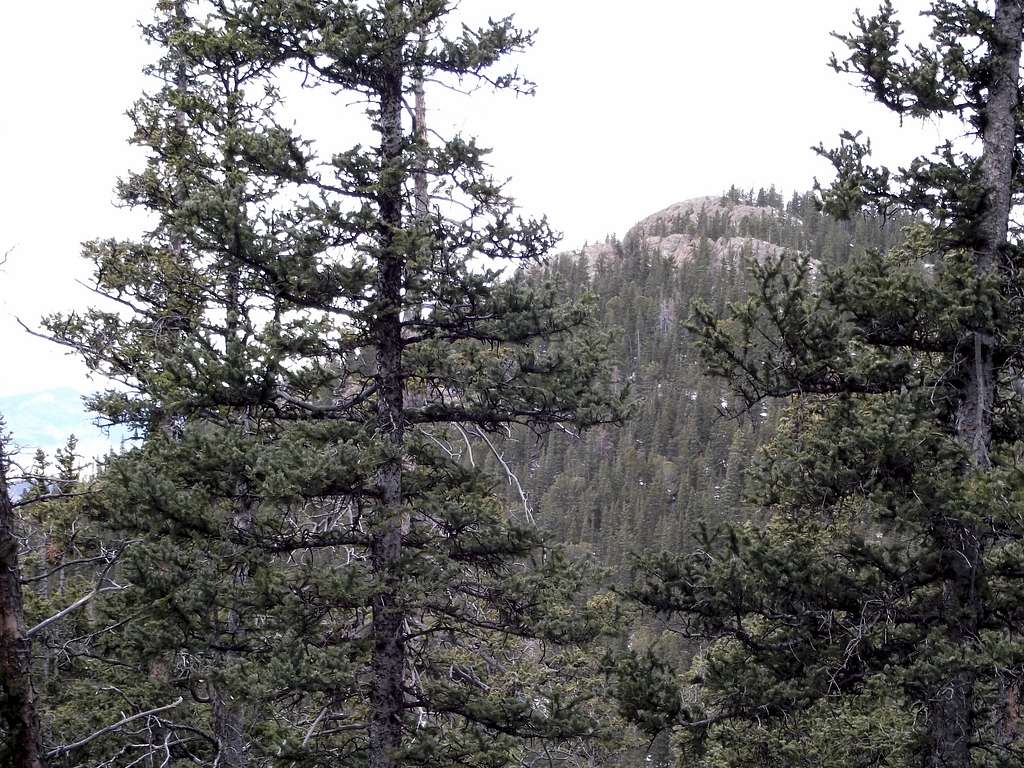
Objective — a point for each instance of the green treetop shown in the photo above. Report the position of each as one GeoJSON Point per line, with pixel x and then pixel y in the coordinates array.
{"type": "Point", "coordinates": [874, 620]}
{"type": "Point", "coordinates": [298, 341]}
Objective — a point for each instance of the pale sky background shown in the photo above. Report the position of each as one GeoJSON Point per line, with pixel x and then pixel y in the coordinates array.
{"type": "Point", "coordinates": [639, 105]}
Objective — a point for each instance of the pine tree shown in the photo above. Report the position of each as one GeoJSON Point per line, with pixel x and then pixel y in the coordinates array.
{"type": "Point", "coordinates": [886, 589]}
{"type": "Point", "coordinates": [302, 346]}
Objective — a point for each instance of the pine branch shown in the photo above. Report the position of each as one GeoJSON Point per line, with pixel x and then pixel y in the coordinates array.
{"type": "Point", "coordinates": [85, 599]}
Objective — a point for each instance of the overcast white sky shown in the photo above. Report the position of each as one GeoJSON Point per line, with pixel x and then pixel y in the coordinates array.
{"type": "Point", "coordinates": [640, 104]}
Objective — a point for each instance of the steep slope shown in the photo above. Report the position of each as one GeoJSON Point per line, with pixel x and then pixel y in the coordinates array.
{"type": "Point", "coordinates": [678, 465]}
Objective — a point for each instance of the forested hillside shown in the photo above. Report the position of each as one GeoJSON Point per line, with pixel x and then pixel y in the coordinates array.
{"type": "Point", "coordinates": [680, 462]}
{"type": "Point", "coordinates": [124, 600]}
{"type": "Point", "coordinates": [743, 489]}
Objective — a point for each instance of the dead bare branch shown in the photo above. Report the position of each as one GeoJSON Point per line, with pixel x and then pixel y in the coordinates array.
{"type": "Point", "coordinates": [67, 748]}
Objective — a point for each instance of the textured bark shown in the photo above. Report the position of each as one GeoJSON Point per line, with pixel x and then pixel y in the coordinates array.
{"type": "Point", "coordinates": [951, 716]}
{"type": "Point", "coordinates": [1007, 717]}
{"type": "Point", "coordinates": [229, 729]}
{"type": "Point", "coordinates": [228, 712]}
{"type": "Point", "coordinates": [388, 663]}
{"type": "Point", "coordinates": [951, 723]}
{"type": "Point", "coordinates": [17, 707]}
{"type": "Point", "coordinates": [974, 415]}
{"type": "Point", "coordinates": [229, 715]}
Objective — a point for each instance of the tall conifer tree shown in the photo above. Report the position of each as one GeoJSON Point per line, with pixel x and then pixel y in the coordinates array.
{"type": "Point", "coordinates": [299, 344]}
{"type": "Point", "coordinates": [876, 620]}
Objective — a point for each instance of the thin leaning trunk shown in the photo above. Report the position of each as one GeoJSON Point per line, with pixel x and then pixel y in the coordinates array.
{"type": "Point", "coordinates": [951, 718]}
{"type": "Point", "coordinates": [422, 192]}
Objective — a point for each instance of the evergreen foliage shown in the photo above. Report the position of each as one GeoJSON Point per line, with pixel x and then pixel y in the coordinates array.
{"type": "Point", "coordinates": [165, 650]}
{"type": "Point", "coordinates": [366, 403]}
{"type": "Point", "coordinates": [679, 464]}
{"type": "Point", "coordinates": [318, 577]}
{"type": "Point", "coordinates": [874, 620]}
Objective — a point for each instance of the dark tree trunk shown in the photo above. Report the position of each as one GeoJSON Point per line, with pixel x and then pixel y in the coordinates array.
{"type": "Point", "coordinates": [229, 728]}
{"type": "Point", "coordinates": [229, 713]}
{"type": "Point", "coordinates": [977, 394]}
{"type": "Point", "coordinates": [951, 724]}
{"type": "Point", "coordinates": [388, 663]}
{"type": "Point", "coordinates": [17, 707]}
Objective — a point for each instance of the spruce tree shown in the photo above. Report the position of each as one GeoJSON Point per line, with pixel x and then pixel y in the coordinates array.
{"type": "Point", "coordinates": [299, 346]}
{"type": "Point", "coordinates": [874, 620]}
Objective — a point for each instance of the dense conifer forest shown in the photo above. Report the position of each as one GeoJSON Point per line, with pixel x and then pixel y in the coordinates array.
{"type": "Point", "coordinates": [410, 485]}
{"type": "Point", "coordinates": [679, 463]}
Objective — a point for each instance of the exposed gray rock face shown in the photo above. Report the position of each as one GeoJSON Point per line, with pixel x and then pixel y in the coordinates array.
{"type": "Point", "coordinates": [711, 206]}
{"type": "Point", "coordinates": [595, 251]}
{"type": "Point", "coordinates": [668, 232]}
{"type": "Point", "coordinates": [681, 248]}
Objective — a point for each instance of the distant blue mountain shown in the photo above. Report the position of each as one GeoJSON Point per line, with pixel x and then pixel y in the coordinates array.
{"type": "Point", "coordinates": [16, 489]}
{"type": "Point", "coordinates": [44, 420]}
